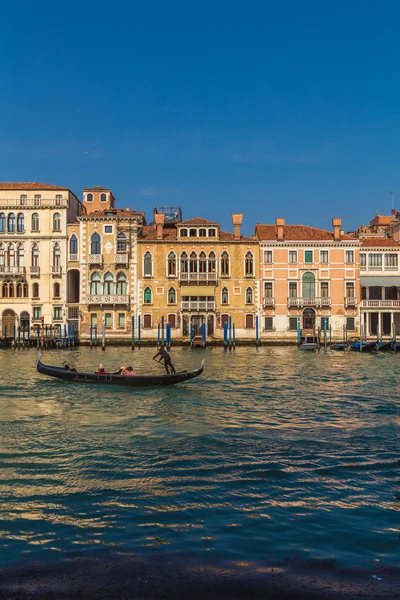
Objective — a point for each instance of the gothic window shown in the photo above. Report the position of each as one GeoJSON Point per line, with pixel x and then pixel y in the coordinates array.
{"type": "Point", "coordinates": [202, 262]}
{"type": "Point", "coordinates": [147, 296]}
{"type": "Point", "coordinates": [108, 284]}
{"type": "Point", "coordinates": [225, 264]}
{"type": "Point", "coordinates": [211, 263]}
{"type": "Point", "coordinates": [193, 262]}
{"type": "Point", "coordinates": [171, 264]}
{"type": "Point", "coordinates": [11, 255]}
{"type": "Point", "coordinates": [148, 264]}
{"type": "Point", "coordinates": [73, 245]}
{"type": "Point", "coordinates": [171, 296]}
{"type": "Point", "coordinates": [184, 262]}
{"type": "Point", "coordinates": [249, 265]}
{"type": "Point", "coordinates": [95, 243]}
{"type": "Point", "coordinates": [95, 284]}
{"type": "Point", "coordinates": [225, 296]}
{"type": "Point", "coordinates": [2, 255]}
{"type": "Point", "coordinates": [25, 290]}
{"type": "Point", "coordinates": [20, 289]}
{"type": "Point", "coordinates": [121, 284]}
{"type": "Point", "coordinates": [249, 295]}
{"type": "Point", "coordinates": [56, 222]}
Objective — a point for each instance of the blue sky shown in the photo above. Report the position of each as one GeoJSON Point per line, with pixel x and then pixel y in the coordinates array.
{"type": "Point", "coordinates": [268, 108]}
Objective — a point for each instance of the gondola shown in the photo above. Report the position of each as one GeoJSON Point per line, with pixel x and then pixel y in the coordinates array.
{"type": "Point", "coordinates": [366, 346]}
{"type": "Point", "coordinates": [116, 379]}
{"type": "Point", "coordinates": [384, 346]}
{"type": "Point", "coordinates": [339, 347]}
{"type": "Point", "coordinates": [308, 346]}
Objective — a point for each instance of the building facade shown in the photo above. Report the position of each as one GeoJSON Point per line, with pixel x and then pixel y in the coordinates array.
{"type": "Point", "coordinates": [102, 265]}
{"type": "Point", "coordinates": [307, 274]}
{"type": "Point", "coordinates": [33, 264]}
{"type": "Point", "coordinates": [192, 273]}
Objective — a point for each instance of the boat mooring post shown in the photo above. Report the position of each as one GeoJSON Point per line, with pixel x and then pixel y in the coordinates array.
{"type": "Point", "coordinates": [330, 335]}
{"type": "Point", "coordinates": [203, 334]}
{"type": "Point", "coordinates": [69, 335]}
{"type": "Point", "coordinates": [191, 335]}
{"type": "Point", "coordinates": [162, 331]}
{"type": "Point", "coordinates": [15, 337]}
{"type": "Point", "coordinates": [319, 337]}
{"type": "Point", "coordinates": [325, 335]}
{"type": "Point", "coordinates": [29, 336]}
{"type": "Point", "coordinates": [38, 337]}
{"type": "Point", "coordinates": [90, 336]}
{"type": "Point", "coordinates": [19, 336]}
{"type": "Point", "coordinates": [73, 334]}
{"type": "Point", "coordinates": [257, 340]}
{"type": "Point", "coordinates": [158, 334]}
{"type": "Point", "coordinates": [168, 335]}
{"type": "Point", "coordinates": [233, 336]}
{"type": "Point", "coordinates": [230, 332]}
{"type": "Point", "coordinates": [65, 335]}
{"type": "Point", "coordinates": [95, 336]}
{"type": "Point", "coordinates": [133, 333]}
{"type": "Point", "coordinates": [103, 333]}
{"type": "Point", "coordinates": [138, 332]}
{"type": "Point", "coordinates": [298, 332]}
{"type": "Point", "coordinates": [225, 335]}
{"type": "Point", "coordinates": [361, 336]}
{"type": "Point", "coordinates": [394, 337]}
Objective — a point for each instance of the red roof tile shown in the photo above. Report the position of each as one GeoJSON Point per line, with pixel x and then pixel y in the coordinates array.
{"type": "Point", "coordinates": [149, 233]}
{"type": "Point", "coordinates": [111, 212]}
{"type": "Point", "coordinates": [29, 185]}
{"type": "Point", "coordinates": [296, 233]}
{"type": "Point", "coordinates": [198, 221]}
{"type": "Point", "coordinates": [379, 242]}
{"type": "Point", "coordinates": [96, 188]}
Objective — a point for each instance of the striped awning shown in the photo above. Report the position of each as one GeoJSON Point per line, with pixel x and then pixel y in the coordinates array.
{"type": "Point", "coordinates": [380, 280]}
{"type": "Point", "coordinates": [198, 290]}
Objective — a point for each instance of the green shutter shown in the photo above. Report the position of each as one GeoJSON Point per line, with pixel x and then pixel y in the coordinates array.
{"type": "Point", "coordinates": [308, 256]}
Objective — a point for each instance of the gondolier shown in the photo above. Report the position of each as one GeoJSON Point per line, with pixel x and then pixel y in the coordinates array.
{"type": "Point", "coordinates": [164, 355]}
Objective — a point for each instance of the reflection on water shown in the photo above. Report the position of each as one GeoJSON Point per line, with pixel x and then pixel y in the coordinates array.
{"type": "Point", "coordinates": [271, 453]}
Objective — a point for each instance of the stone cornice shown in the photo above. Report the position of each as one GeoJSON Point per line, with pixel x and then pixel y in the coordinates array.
{"type": "Point", "coordinates": [309, 243]}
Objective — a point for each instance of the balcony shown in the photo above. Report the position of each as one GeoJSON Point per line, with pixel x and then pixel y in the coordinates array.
{"type": "Point", "coordinates": [350, 301]}
{"type": "Point", "coordinates": [198, 305]}
{"type": "Point", "coordinates": [5, 270]}
{"type": "Point", "coordinates": [121, 259]}
{"type": "Point", "coordinates": [32, 203]}
{"type": "Point", "coordinates": [380, 303]}
{"type": "Point", "coordinates": [269, 302]}
{"type": "Point", "coordinates": [95, 259]}
{"type": "Point", "coordinates": [198, 277]}
{"type": "Point", "coordinates": [56, 270]}
{"type": "Point", "coordinates": [304, 302]}
{"type": "Point", "coordinates": [35, 270]}
{"type": "Point", "coordinates": [107, 299]}
{"type": "Point", "coordinates": [379, 269]}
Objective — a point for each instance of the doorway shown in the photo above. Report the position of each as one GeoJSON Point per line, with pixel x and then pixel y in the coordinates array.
{"type": "Point", "coordinates": [309, 318]}
{"type": "Point", "coordinates": [8, 323]}
{"type": "Point", "coordinates": [197, 322]}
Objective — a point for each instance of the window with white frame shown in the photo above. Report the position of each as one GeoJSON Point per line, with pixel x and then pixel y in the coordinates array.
{"type": "Point", "coordinates": [292, 257]}
{"type": "Point", "coordinates": [349, 256]}
{"type": "Point", "coordinates": [375, 260]}
{"type": "Point", "coordinates": [324, 289]}
{"type": "Point", "coordinates": [268, 257]}
{"type": "Point", "coordinates": [324, 256]}
{"type": "Point", "coordinates": [121, 320]}
{"type": "Point", "coordinates": [268, 291]}
{"type": "Point", "coordinates": [391, 260]}
{"type": "Point", "coordinates": [148, 264]}
{"type": "Point", "coordinates": [363, 260]}
{"type": "Point", "coordinates": [292, 289]}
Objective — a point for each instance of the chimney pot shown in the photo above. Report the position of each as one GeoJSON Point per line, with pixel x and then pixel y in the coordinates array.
{"type": "Point", "coordinates": [159, 220]}
{"type": "Point", "coordinates": [336, 222]}
{"type": "Point", "coordinates": [237, 220]}
{"type": "Point", "coordinates": [280, 222]}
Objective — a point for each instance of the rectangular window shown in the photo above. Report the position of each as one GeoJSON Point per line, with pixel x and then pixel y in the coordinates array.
{"type": "Point", "coordinates": [293, 257]}
{"type": "Point", "coordinates": [323, 256]}
{"type": "Point", "coordinates": [390, 260]}
{"type": "Point", "coordinates": [121, 320]}
{"type": "Point", "coordinates": [93, 319]}
{"type": "Point", "coordinates": [363, 293]}
{"type": "Point", "coordinates": [363, 260]}
{"type": "Point", "coordinates": [292, 323]}
{"type": "Point", "coordinates": [293, 289]}
{"type": "Point", "coordinates": [108, 320]}
{"type": "Point", "coordinates": [308, 256]}
{"type": "Point", "coordinates": [172, 321]}
{"type": "Point", "coordinates": [268, 256]}
{"type": "Point", "coordinates": [350, 289]}
{"type": "Point", "coordinates": [108, 228]}
{"type": "Point", "coordinates": [146, 321]}
{"type": "Point", "coordinates": [324, 289]}
{"type": "Point", "coordinates": [350, 323]}
{"type": "Point", "coordinates": [268, 289]}
{"type": "Point", "coordinates": [37, 312]}
{"type": "Point", "coordinates": [375, 260]}
{"type": "Point", "coordinates": [57, 313]}
{"type": "Point", "coordinates": [322, 324]}
{"type": "Point", "coordinates": [349, 256]}
{"type": "Point", "coordinates": [249, 322]}
{"type": "Point", "coordinates": [269, 324]}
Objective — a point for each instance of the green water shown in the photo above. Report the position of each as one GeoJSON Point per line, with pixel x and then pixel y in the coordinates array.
{"type": "Point", "coordinates": [271, 454]}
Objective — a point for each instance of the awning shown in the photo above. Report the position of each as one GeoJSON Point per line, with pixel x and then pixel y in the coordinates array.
{"type": "Point", "coordinates": [380, 280]}
{"type": "Point", "coordinates": [199, 290]}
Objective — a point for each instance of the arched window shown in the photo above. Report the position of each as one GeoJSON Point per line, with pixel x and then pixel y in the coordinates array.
{"type": "Point", "coordinates": [11, 223]}
{"type": "Point", "coordinates": [202, 232]}
{"type": "Point", "coordinates": [73, 245]}
{"type": "Point", "coordinates": [20, 222]}
{"type": "Point", "coordinates": [308, 288]}
{"type": "Point", "coordinates": [211, 263]}
{"type": "Point", "coordinates": [56, 255]}
{"type": "Point", "coordinates": [25, 291]}
{"type": "Point", "coordinates": [56, 222]}
{"type": "Point", "coordinates": [95, 244]}
{"type": "Point", "coordinates": [25, 320]}
{"type": "Point", "coordinates": [148, 264]}
{"type": "Point", "coordinates": [89, 197]}
{"type": "Point", "coordinates": [184, 263]}
{"type": "Point", "coordinates": [2, 255]}
{"type": "Point", "coordinates": [108, 284]}
{"type": "Point", "coordinates": [20, 255]}
{"type": "Point", "coordinates": [225, 296]}
{"type": "Point", "coordinates": [184, 233]}
{"type": "Point", "coordinates": [121, 242]}
{"type": "Point", "coordinates": [103, 197]}
{"type": "Point", "coordinates": [11, 290]}
{"type": "Point", "coordinates": [192, 232]}
{"type": "Point", "coordinates": [249, 265]}
{"type": "Point", "coordinates": [56, 290]}
{"type": "Point", "coordinates": [225, 264]}
{"type": "Point", "coordinates": [211, 233]}
{"type": "Point", "coordinates": [35, 290]}
{"type": "Point", "coordinates": [147, 296]}
{"type": "Point", "coordinates": [11, 255]}
{"type": "Point", "coordinates": [171, 270]}
{"type": "Point", "coordinates": [3, 223]}
{"type": "Point", "coordinates": [95, 284]}
{"type": "Point", "coordinates": [20, 289]}
{"type": "Point", "coordinates": [193, 262]}
{"type": "Point", "coordinates": [35, 256]}
{"type": "Point", "coordinates": [35, 222]}
{"type": "Point", "coordinates": [171, 296]}
{"type": "Point", "coordinates": [249, 295]}
{"type": "Point", "coordinates": [202, 262]}
{"type": "Point", "coordinates": [224, 320]}
{"type": "Point", "coordinates": [5, 290]}
{"type": "Point", "coordinates": [121, 284]}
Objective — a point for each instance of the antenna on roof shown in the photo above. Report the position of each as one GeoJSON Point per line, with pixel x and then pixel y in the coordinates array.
{"type": "Point", "coordinates": [392, 196]}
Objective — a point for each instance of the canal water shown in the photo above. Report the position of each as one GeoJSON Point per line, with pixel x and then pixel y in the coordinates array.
{"type": "Point", "coordinates": [273, 454]}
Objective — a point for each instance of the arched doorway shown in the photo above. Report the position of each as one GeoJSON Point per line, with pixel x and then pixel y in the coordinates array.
{"type": "Point", "coordinates": [8, 323]}
{"type": "Point", "coordinates": [25, 321]}
{"type": "Point", "coordinates": [73, 286]}
{"type": "Point", "coordinates": [309, 318]}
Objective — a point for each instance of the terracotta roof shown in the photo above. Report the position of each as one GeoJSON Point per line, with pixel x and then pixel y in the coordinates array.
{"type": "Point", "coordinates": [97, 188]}
{"type": "Point", "coordinates": [296, 233]}
{"type": "Point", "coordinates": [229, 237]}
{"type": "Point", "coordinates": [149, 233]}
{"type": "Point", "coordinates": [170, 233]}
{"type": "Point", "coordinates": [198, 221]}
{"type": "Point", "coordinates": [116, 212]}
{"type": "Point", "coordinates": [379, 242]}
{"type": "Point", "coordinates": [29, 185]}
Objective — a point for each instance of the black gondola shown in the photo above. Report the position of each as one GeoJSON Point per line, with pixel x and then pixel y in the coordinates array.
{"type": "Point", "coordinates": [339, 347]}
{"type": "Point", "coordinates": [384, 346]}
{"type": "Point", "coordinates": [366, 346]}
{"type": "Point", "coordinates": [115, 378]}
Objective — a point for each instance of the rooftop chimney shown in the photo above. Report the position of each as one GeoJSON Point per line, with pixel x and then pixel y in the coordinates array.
{"type": "Point", "coordinates": [336, 228]}
{"type": "Point", "coordinates": [280, 223]}
{"type": "Point", "coordinates": [237, 220]}
{"type": "Point", "coordinates": [159, 220]}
